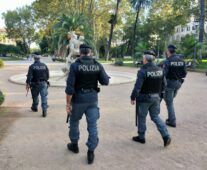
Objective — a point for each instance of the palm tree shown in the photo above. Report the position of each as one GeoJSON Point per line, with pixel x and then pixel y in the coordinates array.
{"type": "Point", "coordinates": [137, 5]}
{"type": "Point", "coordinates": [65, 24]}
{"type": "Point", "coordinates": [113, 22]}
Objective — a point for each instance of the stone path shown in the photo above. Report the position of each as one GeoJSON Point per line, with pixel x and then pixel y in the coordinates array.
{"type": "Point", "coordinates": [29, 142]}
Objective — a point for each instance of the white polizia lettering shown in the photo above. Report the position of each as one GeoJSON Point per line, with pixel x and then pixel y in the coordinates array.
{"type": "Point", "coordinates": [39, 67]}
{"type": "Point", "coordinates": [177, 63]}
{"type": "Point", "coordinates": [154, 73]}
{"type": "Point", "coordinates": [88, 68]}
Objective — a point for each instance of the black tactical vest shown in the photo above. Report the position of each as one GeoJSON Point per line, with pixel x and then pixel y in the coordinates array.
{"type": "Point", "coordinates": [176, 68]}
{"type": "Point", "coordinates": [40, 72]}
{"type": "Point", "coordinates": [87, 74]}
{"type": "Point", "coordinates": [153, 79]}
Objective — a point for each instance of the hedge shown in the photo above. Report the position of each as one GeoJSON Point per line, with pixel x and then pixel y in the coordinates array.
{"type": "Point", "coordinates": [1, 63]}
{"type": "Point", "coordinates": [1, 98]}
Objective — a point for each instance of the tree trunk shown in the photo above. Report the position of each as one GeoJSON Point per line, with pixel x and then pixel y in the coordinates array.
{"type": "Point", "coordinates": [128, 46]}
{"type": "Point", "coordinates": [201, 25]}
{"type": "Point", "coordinates": [135, 28]}
{"type": "Point", "coordinates": [202, 20]}
{"type": "Point", "coordinates": [109, 43]}
{"type": "Point", "coordinates": [112, 30]}
{"type": "Point", "coordinates": [83, 6]}
{"type": "Point", "coordinates": [90, 7]}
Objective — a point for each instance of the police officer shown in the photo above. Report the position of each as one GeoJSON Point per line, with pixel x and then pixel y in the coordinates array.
{"type": "Point", "coordinates": [175, 72]}
{"type": "Point", "coordinates": [150, 83]}
{"type": "Point", "coordinates": [37, 81]}
{"type": "Point", "coordinates": [82, 98]}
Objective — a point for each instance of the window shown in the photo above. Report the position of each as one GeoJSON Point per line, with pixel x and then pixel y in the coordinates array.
{"type": "Point", "coordinates": [188, 28]}
{"type": "Point", "coordinates": [178, 30]}
{"type": "Point", "coordinates": [182, 29]}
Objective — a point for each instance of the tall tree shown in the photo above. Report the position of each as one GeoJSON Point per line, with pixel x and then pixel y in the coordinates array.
{"type": "Point", "coordinates": [137, 5]}
{"type": "Point", "coordinates": [113, 22]}
{"type": "Point", "coordinates": [20, 25]}
{"type": "Point", "coordinates": [202, 21]}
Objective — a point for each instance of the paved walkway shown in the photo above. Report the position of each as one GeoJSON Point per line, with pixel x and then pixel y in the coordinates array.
{"type": "Point", "coordinates": [29, 142]}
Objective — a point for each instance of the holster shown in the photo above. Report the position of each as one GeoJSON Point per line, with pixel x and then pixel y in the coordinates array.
{"type": "Point", "coordinates": [48, 84]}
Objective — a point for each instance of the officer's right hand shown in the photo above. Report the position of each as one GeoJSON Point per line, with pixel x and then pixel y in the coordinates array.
{"type": "Point", "coordinates": [27, 87]}
{"type": "Point", "coordinates": [68, 109]}
{"type": "Point", "coordinates": [133, 102]}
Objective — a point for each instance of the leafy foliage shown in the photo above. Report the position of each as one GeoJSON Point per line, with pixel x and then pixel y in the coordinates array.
{"type": "Point", "coordinates": [140, 24]}
{"type": "Point", "coordinates": [5, 49]}
{"type": "Point", "coordinates": [2, 98]}
{"type": "Point", "coordinates": [1, 63]}
{"type": "Point", "coordinates": [44, 45]}
{"type": "Point", "coordinates": [20, 25]}
{"type": "Point", "coordinates": [77, 22]}
{"type": "Point", "coordinates": [187, 45]}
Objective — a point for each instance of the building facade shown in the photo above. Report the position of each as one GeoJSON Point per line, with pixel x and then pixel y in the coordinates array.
{"type": "Point", "coordinates": [191, 28]}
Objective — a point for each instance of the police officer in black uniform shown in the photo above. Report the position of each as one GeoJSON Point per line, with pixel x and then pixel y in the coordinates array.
{"type": "Point", "coordinates": [37, 81]}
{"type": "Point", "coordinates": [146, 93]}
{"type": "Point", "coordinates": [82, 98]}
{"type": "Point", "coordinates": [175, 72]}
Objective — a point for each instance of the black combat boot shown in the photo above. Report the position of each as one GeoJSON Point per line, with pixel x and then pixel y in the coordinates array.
{"type": "Point", "coordinates": [34, 109]}
{"type": "Point", "coordinates": [44, 113]}
{"type": "Point", "coordinates": [170, 124]}
{"type": "Point", "coordinates": [90, 157]}
{"type": "Point", "coordinates": [73, 147]}
{"type": "Point", "coordinates": [138, 139]}
{"type": "Point", "coordinates": [167, 141]}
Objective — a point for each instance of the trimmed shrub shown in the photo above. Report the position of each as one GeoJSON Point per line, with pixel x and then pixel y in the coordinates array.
{"type": "Point", "coordinates": [119, 62]}
{"type": "Point", "coordinates": [2, 97]}
{"type": "Point", "coordinates": [1, 63]}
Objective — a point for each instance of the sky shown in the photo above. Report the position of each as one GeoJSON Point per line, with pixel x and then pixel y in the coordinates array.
{"type": "Point", "coordinates": [11, 5]}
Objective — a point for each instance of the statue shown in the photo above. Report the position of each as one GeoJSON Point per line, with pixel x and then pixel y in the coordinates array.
{"type": "Point", "coordinates": [74, 51]}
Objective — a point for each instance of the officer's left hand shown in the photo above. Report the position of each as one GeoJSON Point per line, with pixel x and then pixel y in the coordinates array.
{"type": "Point", "coordinates": [133, 102]}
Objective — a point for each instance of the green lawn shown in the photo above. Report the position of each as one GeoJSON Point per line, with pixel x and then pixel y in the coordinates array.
{"type": "Point", "coordinates": [202, 66]}
{"type": "Point", "coordinates": [129, 64]}
{"type": "Point", "coordinates": [104, 61]}
{"type": "Point", "coordinates": [10, 58]}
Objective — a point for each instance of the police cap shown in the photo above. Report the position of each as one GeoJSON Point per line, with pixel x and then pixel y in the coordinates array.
{"type": "Point", "coordinates": [85, 46]}
{"type": "Point", "coordinates": [150, 52]}
{"type": "Point", "coordinates": [171, 47]}
{"type": "Point", "coordinates": [36, 57]}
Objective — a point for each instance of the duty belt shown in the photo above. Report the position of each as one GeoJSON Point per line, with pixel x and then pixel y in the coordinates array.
{"type": "Point", "coordinates": [38, 82]}
{"type": "Point", "coordinates": [88, 90]}
{"type": "Point", "coordinates": [154, 95]}
{"type": "Point", "coordinates": [151, 94]}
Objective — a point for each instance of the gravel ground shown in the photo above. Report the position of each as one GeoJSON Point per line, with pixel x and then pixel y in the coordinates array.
{"type": "Point", "coordinates": [29, 142]}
